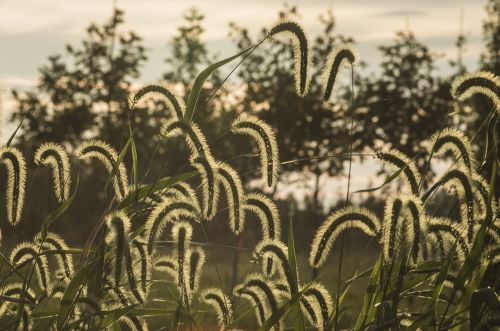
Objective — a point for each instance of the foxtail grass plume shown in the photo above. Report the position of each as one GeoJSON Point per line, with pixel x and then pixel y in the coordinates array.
{"type": "Point", "coordinates": [266, 293]}
{"type": "Point", "coordinates": [194, 137]}
{"type": "Point", "coordinates": [261, 311]}
{"type": "Point", "coordinates": [483, 208]}
{"type": "Point", "coordinates": [279, 253]}
{"type": "Point", "coordinates": [132, 323]}
{"type": "Point", "coordinates": [265, 137]}
{"type": "Point", "coordinates": [108, 156]}
{"type": "Point", "coordinates": [317, 297]}
{"type": "Point", "coordinates": [269, 218]}
{"type": "Point", "coordinates": [459, 178]}
{"type": "Point", "coordinates": [207, 168]}
{"type": "Point", "coordinates": [302, 56]}
{"type": "Point", "coordinates": [193, 267]}
{"type": "Point", "coordinates": [456, 142]}
{"type": "Point", "coordinates": [222, 305]}
{"type": "Point", "coordinates": [64, 260]}
{"type": "Point", "coordinates": [119, 226]}
{"type": "Point", "coordinates": [54, 155]}
{"type": "Point", "coordinates": [231, 182]}
{"type": "Point", "coordinates": [183, 190]}
{"type": "Point", "coordinates": [140, 247]}
{"type": "Point", "coordinates": [16, 291]}
{"type": "Point", "coordinates": [181, 233]}
{"type": "Point", "coordinates": [450, 232]}
{"type": "Point", "coordinates": [341, 220]}
{"type": "Point", "coordinates": [480, 82]}
{"type": "Point", "coordinates": [339, 58]}
{"type": "Point", "coordinates": [399, 225]}
{"type": "Point", "coordinates": [168, 211]}
{"type": "Point", "coordinates": [400, 161]}
{"type": "Point", "coordinates": [25, 254]}
{"type": "Point", "coordinates": [167, 264]}
{"type": "Point", "coordinates": [416, 222]}
{"type": "Point", "coordinates": [174, 104]}
{"type": "Point", "coordinates": [266, 211]}
{"type": "Point", "coordinates": [16, 182]}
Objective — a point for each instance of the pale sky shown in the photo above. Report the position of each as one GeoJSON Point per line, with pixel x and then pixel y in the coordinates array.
{"type": "Point", "coordinates": [31, 30]}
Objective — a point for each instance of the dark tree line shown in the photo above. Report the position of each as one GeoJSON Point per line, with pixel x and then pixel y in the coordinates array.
{"type": "Point", "coordinates": [83, 93]}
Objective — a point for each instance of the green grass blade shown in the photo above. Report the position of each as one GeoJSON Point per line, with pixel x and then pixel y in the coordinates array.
{"type": "Point", "coordinates": [192, 102]}
{"type": "Point", "coordinates": [159, 185]}
{"type": "Point", "coordinates": [133, 149]}
{"type": "Point", "coordinates": [292, 258]}
{"type": "Point", "coordinates": [121, 156]}
{"type": "Point", "coordinates": [71, 293]}
{"type": "Point", "coordinates": [371, 292]}
{"type": "Point", "coordinates": [58, 212]}
{"type": "Point", "coordinates": [110, 317]}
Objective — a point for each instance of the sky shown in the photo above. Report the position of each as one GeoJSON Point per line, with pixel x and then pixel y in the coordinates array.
{"type": "Point", "coordinates": [32, 30]}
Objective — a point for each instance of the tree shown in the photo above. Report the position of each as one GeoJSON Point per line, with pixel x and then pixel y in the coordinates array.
{"type": "Point", "coordinates": [490, 57]}
{"type": "Point", "coordinates": [84, 92]}
{"type": "Point", "coordinates": [188, 52]}
{"type": "Point", "coordinates": [405, 104]}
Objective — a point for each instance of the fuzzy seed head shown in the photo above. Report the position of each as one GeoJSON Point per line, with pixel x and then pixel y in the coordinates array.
{"type": "Point", "coordinates": [456, 142]}
{"type": "Point", "coordinates": [221, 304]}
{"type": "Point", "coordinates": [341, 220]}
{"type": "Point", "coordinates": [207, 168]}
{"type": "Point", "coordinates": [108, 156]}
{"type": "Point", "coordinates": [302, 54]}
{"type": "Point", "coordinates": [54, 155]}
{"type": "Point", "coordinates": [194, 137]}
{"type": "Point", "coordinates": [398, 160]}
{"type": "Point", "coordinates": [174, 103]}
{"type": "Point", "coordinates": [265, 137]}
{"type": "Point", "coordinates": [16, 182]}
{"type": "Point", "coordinates": [480, 82]}
{"type": "Point", "coordinates": [338, 59]}
{"type": "Point", "coordinates": [231, 183]}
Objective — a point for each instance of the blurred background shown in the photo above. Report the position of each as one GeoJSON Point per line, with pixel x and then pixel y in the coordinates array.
{"type": "Point", "coordinates": [67, 69]}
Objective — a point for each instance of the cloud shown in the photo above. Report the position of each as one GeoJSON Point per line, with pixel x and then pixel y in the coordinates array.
{"type": "Point", "coordinates": [403, 13]}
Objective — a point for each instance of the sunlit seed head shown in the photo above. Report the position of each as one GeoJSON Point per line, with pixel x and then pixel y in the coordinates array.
{"type": "Point", "coordinates": [222, 305]}
{"type": "Point", "coordinates": [16, 182]}
{"type": "Point", "coordinates": [278, 252]}
{"type": "Point", "coordinates": [64, 261]}
{"type": "Point", "coordinates": [267, 144]}
{"type": "Point", "coordinates": [195, 139]}
{"type": "Point", "coordinates": [233, 188]}
{"type": "Point", "coordinates": [193, 267]}
{"type": "Point", "coordinates": [456, 142]}
{"type": "Point", "coordinates": [26, 252]}
{"type": "Point", "coordinates": [175, 104]}
{"type": "Point", "coordinates": [108, 156]}
{"type": "Point", "coordinates": [459, 178]}
{"type": "Point", "coordinates": [302, 54]}
{"type": "Point", "coordinates": [399, 161]}
{"type": "Point", "coordinates": [266, 211]}
{"type": "Point", "coordinates": [207, 168]}
{"type": "Point", "coordinates": [451, 232]}
{"type": "Point", "coordinates": [168, 211]}
{"type": "Point", "coordinates": [480, 82]}
{"type": "Point", "coordinates": [55, 156]}
{"type": "Point", "coordinates": [321, 303]}
{"type": "Point", "coordinates": [335, 224]}
{"type": "Point", "coordinates": [167, 264]}
{"type": "Point", "coordinates": [338, 59]}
